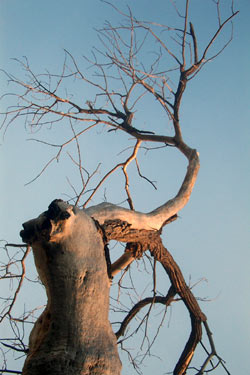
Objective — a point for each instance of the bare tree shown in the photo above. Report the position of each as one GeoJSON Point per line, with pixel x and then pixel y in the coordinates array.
{"type": "Point", "coordinates": [70, 241]}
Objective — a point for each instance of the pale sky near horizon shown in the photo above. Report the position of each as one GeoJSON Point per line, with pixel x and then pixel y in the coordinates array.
{"type": "Point", "coordinates": [211, 238]}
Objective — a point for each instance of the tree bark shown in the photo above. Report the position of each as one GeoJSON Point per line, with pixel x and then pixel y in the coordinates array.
{"type": "Point", "coordinates": [73, 335]}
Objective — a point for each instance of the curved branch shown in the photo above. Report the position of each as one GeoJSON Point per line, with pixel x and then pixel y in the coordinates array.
{"type": "Point", "coordinates": [160, 253]}
{"type": "Point", "coordinates": [157, 218]}
{"type": "Point", "coordinates": [138, 306]}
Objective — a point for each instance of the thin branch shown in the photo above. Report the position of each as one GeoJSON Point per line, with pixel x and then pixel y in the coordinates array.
{"type": "Point", "coordinates": [127, 162]}
{"type": "Point", "coordinates": [216, 35]}
{"type": "Point", "coordinates": [137, 307]}
{"type": "Point", "coordinates": [8, 312]}
{"type": "Point", "coordinates": [184, 38]}
{"type": "Point", "coordinates": [14, 348]}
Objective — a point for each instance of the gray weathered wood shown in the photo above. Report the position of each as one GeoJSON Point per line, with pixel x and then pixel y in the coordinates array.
{"type": "Point", "coordinates": [73, 335]}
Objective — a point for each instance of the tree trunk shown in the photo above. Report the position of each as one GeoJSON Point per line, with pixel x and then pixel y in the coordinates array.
{"type": "Point", "coordinates": [73, 335]}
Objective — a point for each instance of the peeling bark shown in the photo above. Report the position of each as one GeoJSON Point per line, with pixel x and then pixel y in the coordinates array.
{"type": "Point", "coordinates": [139, 241]}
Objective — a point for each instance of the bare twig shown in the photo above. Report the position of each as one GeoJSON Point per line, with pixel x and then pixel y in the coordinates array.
{"type": "Point", "coordinates": [13, 300]}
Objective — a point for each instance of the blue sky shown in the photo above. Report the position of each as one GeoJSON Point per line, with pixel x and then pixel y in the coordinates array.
{"type": "Point", "coordinates": [210, 240]}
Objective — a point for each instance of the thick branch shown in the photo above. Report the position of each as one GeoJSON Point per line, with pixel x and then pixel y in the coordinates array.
{"type": "Point", "coordinates": [161, 254]}
{"type": "Point", "coordinates": [194, 43]}
{"type": "Point", "coordinates": [125, 260]}
{"type": "Point", "coordinates": [151, 240]}
{"type": "Point", "coordinates": [155, 219]}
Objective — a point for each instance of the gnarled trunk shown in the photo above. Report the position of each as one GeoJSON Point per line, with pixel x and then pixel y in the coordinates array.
{"type": "Point", "coordinates": [73, 335]}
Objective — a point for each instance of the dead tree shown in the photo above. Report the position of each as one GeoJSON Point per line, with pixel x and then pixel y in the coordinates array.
{"type": "Point", "coordinates": [73, 335]}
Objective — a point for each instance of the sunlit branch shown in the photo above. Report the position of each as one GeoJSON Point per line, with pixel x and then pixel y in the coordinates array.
{"type": "Point", "coordinates": [216, 35]}
{"type": "Point", "coordinates": [124, 166]}
{"type": "Point", "coordinates": [127, 162]}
